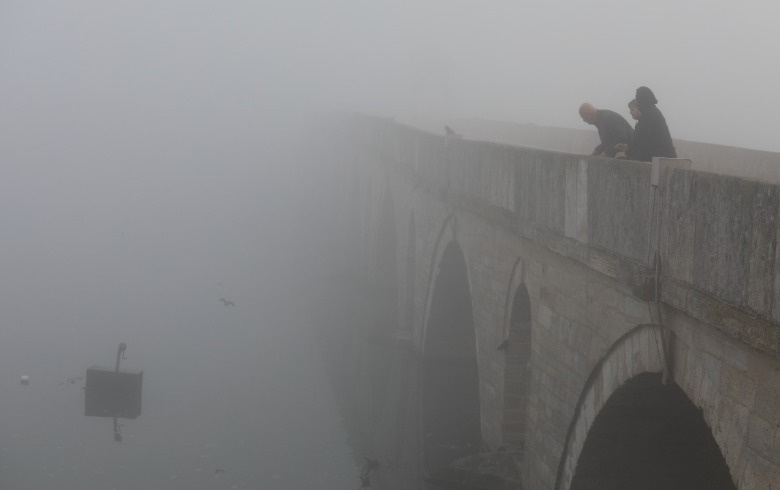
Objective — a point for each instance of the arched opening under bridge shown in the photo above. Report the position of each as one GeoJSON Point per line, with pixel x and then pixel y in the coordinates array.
{"type": "Point", "coordinates": [649, 435]}
{"type": "Point", "coordinates": [450, 379]}
{"type": "Point", "coordinates": [517, 370]}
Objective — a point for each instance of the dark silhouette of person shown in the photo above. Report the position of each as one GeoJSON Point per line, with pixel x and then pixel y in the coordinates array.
{"type": "Point", "coordinates": [613, 128]}
{"type": "Point", "coordinates": [651, 135]}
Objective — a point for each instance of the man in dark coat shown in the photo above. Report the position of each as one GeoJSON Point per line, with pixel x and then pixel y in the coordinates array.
{"type": "Point", "coordinates": [651, 135]}
{"type": "Point", "coordinates": [613, 128]}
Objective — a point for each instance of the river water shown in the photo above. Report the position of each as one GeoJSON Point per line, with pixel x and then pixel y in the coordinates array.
{"type": "Point", "coordinates": [248, 410]}
{"type": "Point", "coordinates": [141, 249]}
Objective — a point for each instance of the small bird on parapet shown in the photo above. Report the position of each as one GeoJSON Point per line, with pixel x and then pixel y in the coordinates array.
{"type": "Point", "coordinates": [450, 134]}
{"type": "Point", "coordinates": [503, 345]}
{"type": "Point", "coordinates": [227, 302]}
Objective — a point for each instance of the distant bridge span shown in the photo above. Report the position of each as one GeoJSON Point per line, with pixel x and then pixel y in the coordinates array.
{"type": "Point", "coordinates": [525, 282]}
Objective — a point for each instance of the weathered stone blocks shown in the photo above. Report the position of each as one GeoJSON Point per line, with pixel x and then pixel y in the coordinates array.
{"type": "Point", "coordinates": [583, 229]}
{"type": "Point", "coordinates": [723, 221]}
{"type": "Point", "coordinates": [619, 207]}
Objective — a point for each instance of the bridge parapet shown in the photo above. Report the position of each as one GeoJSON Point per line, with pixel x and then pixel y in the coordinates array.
{"type": "Point", "coordinates": [718, 234]}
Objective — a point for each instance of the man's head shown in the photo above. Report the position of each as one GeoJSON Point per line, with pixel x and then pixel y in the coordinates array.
{"type": "Point", "coordinates": [633, 108]}
{"type": "Point", "coordinates": [588, 113]}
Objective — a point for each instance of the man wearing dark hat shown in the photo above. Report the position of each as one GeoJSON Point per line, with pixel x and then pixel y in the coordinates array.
{"type": "Point", "coordinates": [651, 136]}
{"type": "Point", "coordinates": [613, 128]}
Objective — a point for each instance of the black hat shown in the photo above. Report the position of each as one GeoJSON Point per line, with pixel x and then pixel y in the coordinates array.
{"type": "Point", "coordinates": [645, 97]}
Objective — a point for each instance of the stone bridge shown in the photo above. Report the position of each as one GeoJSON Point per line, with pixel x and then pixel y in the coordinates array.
{"type": "Point", "coordinates": [604, 332]}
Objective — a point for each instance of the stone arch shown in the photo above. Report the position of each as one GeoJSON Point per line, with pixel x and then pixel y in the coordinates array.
{"type": "Point", "coordinates": [650, 435]}
{"type": "Point", "coordinates": [446, 235]}
{"type": "Point", "coordinates": [629, 369]}
{"type": "Point", "coordinates": [517, 359]}
{"type": "Point", "coordinates": [449, 380]}
{"type": "Point", "coordinates": [632, 354]}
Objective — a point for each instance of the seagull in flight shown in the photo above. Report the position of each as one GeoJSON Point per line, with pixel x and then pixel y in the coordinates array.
{"type": "Point", "coordinates": [227, 302]}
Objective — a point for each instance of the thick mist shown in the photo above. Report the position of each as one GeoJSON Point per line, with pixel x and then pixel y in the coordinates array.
{"type": "Point", "coordinates": [536, 61]}
{"type": "Point", "coordinates": [119, 66]}
{"type": "Point", "coordinates": [157, 157]}
{"type": "Point", "coordinates": [136, 237]}
{"type": "Point", "coordinates": [148, 172]}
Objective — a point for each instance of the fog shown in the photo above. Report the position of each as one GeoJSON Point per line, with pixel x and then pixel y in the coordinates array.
{"type": "Point", "coordinates": [147, 172]}
{"type": "Point", "coordinates": [153, 161]}
{"type": "Point", "coordinates": [85, 63]}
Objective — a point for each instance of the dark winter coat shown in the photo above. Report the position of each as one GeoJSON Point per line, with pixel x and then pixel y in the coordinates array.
{"type": "Point", "coordinates": [651, 135]}
{"type": "Point", "coordinates": [613, 129]}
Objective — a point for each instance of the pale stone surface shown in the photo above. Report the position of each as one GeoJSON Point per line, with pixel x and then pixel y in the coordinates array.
{"type": "Point", "coordinates": [762, 250]}
{"type": "Point", "coordinates": [760, 435]}
{"type": "Point", "coordinates": [678, 230]}
{"type": "Point", "coordinates": [723, 224]}
{"type": "Point", "coordinates": [582, 228]}
{"type": "Point", "coordinates": [619, 207]}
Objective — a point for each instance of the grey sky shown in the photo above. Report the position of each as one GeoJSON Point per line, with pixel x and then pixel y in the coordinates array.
{"type": "Point", "coordinates": [96, 68]}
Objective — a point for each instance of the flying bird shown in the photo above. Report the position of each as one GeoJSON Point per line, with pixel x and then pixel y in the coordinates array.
{"type": "Point", "coordinates": [227, 302]}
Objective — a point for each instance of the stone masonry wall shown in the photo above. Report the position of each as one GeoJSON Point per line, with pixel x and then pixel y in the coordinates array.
{"type": "Point", "coordinates": [584, 230]}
